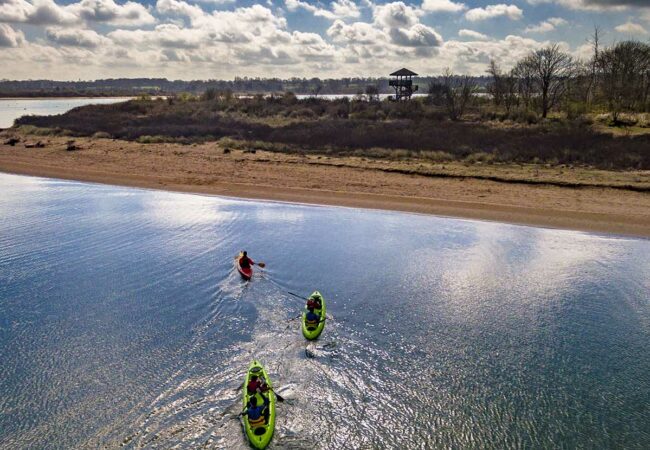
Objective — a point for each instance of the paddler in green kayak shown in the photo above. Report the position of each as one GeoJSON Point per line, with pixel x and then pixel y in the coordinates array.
{"type": "Point", "coordinates": [257, 414]}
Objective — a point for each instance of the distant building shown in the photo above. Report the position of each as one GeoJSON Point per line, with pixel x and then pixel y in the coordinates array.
{"type": "Point", "coordinates": [402, 82]}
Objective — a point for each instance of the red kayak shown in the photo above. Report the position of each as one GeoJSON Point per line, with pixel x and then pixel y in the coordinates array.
{"type": "Point", "coordinates": [246, 274]}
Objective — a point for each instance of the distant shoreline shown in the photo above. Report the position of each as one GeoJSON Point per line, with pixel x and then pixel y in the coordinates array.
{"type": "Point", "coordinates": [62, 97]}
{"type": "Point", "coordinates": [351, 182]}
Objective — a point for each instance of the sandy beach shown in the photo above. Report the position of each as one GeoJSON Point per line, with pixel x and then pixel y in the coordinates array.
{"type": "Point", "coordinates": [565, 197]}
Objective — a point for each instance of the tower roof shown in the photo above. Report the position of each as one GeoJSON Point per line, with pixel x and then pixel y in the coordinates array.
{"type": "Point", "coordinates": [403, 72]}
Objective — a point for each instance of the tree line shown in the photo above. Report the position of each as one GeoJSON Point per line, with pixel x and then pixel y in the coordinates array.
{"type": "Point", "coordinates": [162, 86]}
{"type": "Point", "coordinates": [616, 79]}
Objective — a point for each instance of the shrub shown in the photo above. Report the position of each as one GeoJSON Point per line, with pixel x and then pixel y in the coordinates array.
{"type": "Point", "coordinates": [158, 139]}
{"type": "Point", "coordinates": [482, 157]}
{"type": "Point", "coordinates": [304, 113]}
{"type": "Point", "coordinates": [436, 156]}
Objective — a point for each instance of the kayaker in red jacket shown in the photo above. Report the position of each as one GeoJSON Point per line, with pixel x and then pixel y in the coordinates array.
{"type": "Point", "coordinates": [245, 262]}
{"type": "Point", "coordinates": [256, 385]}
{"type": "Point", "coordinates": [314, 303]}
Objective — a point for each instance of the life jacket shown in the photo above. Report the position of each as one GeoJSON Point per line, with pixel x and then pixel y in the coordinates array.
{"type": "Point", "coordinates": [257, 422]}
{"type": "Point", "coordinates": [244, 262]}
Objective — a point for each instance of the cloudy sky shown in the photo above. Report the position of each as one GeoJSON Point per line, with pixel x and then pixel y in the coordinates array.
{"type": "Point", "coordinates": [200, 39]}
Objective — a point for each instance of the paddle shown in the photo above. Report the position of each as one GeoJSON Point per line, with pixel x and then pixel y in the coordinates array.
{"type": "Point", "coordinates": [278, 396]}
{"type": "Point", "coordinates": [296, 295]}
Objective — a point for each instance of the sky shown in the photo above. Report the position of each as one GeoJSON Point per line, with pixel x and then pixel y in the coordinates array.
{"type": "Point", "coordinates": [221, 39]}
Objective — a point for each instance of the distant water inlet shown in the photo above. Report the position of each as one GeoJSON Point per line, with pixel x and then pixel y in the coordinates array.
{"type": "Point", "coordinates": [123, 322]}
{"type": "Point", "coordinates": [13, 108]}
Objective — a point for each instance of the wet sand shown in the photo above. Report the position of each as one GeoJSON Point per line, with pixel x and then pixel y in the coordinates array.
{"type": "Point", "coordinates": [567, 198]}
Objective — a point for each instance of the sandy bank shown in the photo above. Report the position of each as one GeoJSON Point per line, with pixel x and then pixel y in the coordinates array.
{"type": "Point", "coordinates": [567, 198]}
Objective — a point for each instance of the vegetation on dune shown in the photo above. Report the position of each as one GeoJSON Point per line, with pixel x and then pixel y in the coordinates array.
{"type": "Point", "coordinates": [542, 111]}
{"type": "Point", "coordinates": [351, 127]}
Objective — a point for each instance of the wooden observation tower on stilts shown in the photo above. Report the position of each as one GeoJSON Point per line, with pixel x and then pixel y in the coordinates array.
{"type": "Point", "coordinates": [403, 84]}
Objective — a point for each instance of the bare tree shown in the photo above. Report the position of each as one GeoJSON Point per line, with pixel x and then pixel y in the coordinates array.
{"type": "Point", "coordinates": [458, 92]}
{"type": "Point", "coordinates": [510, 97]}
{"type": "Point", "coordinates": [496, 86]}
{"type": "Point", "coordinates": [524, 75]}
{"type": "Point", "coordinates": [625, 76]}
{"type": "Point", "coordinates": [551, 68]}
{"type": "Point", "coordinates": [436, 91]}
{"type": "Point", "coordinates": [317, 89]}
{"type": "Point", "coordinates": [372, 92]}
{"type": "Point", "coordinates": [593, 66]}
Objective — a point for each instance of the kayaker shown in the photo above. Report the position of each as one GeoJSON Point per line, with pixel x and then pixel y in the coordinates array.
{"type": "Point", "coordinates": [314, 303]}
{"type": "Point", "coordinates": [245, 262]}
{"type": "Point", "coordinates": [312, 318]}
{"type": "Point", "coordinates": [254, 412]}
{"type": "Point", "coordinates": [257, 385]}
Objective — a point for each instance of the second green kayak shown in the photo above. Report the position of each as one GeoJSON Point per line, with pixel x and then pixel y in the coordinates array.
{"type": "Point", "coordinates": [311, 331]}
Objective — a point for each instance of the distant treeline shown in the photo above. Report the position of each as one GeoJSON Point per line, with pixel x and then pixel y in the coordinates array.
{"type": "Point", "coordinates": [162, 86]}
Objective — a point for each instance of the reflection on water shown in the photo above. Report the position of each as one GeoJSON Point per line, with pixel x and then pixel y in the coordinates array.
{"type": "Point", "coordinates": [13, 108]}
{"type": "Point", "coordinates": [122, 322]}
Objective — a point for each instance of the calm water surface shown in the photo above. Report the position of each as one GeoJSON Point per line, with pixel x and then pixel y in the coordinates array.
{"type": "Point", "coordinates": [13, 108]}
{"type": "Point", "coordinates": [122, 322]}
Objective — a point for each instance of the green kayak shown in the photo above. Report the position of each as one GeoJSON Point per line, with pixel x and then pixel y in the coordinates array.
{"type": "Point", "coordinates": [312, 330]}
{"type": "Point", "coordinates": [259, 431]}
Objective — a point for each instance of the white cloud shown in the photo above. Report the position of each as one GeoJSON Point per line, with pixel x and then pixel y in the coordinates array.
{"type": "Point", "coordinates": [473, 35]}
{"type": "Point", "coordinates": [442, 6]}
{"type": "Point", "coordinates": [74, 37]}
{"type": "Point", "coordinates": [401, 23]}
{"type": "Point", "coordinates": [355, 33]}
{"type": "Point", "coordinates": [165, 36]}
{"type": "Point", "coordinates": [593, 5]}
{"type": "Point", "coordinates": [418, 35]}
{"type": "Point", "coordinates": [473, 57]}
{"type": "Point", "coordinates": [194, 40]}
{"type": "Point", "coordinates": [179, 8]}
{"type": "Point", "coordinates": [38, 12]}
{"type": "Point", "coordinates": [340, 9]}
{"type": "Point", "coordinates": [126, 14]}
{"type": "Point", "coordinates": [512, 12]}
{"type": "Point", "coordinates": [631, 28]}
{"type": "Point", "coordinates": [395, 15]}
{"type": "Point", "coordinates": [218, 2]}
{"type": "Point", "coordinates": [10, 37]}
{"type": "Point", "coordinates": [345, 8]}
{"type": "Point", "coordinates": [47, 12]}
{"type": "Point", "coordinates": [547, 25]}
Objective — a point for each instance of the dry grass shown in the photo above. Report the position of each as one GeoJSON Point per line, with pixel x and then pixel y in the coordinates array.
{"type": "Point", "coordinates": [395, 131]}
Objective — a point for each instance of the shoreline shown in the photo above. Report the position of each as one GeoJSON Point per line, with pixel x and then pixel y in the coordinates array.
{"type": "Point", "coordinates": [64, 97]}
{"type": "Point", "coordinates": [347, 182]}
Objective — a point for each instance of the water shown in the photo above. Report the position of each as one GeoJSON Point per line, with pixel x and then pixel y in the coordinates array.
{"type": "Point", "coordinates": [123, 322]}
{"type": "Point", "coordinates": [13, 108]}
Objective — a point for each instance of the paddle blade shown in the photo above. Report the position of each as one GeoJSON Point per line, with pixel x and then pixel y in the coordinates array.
{"type": "Point", "coordinates": [261, 264]}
